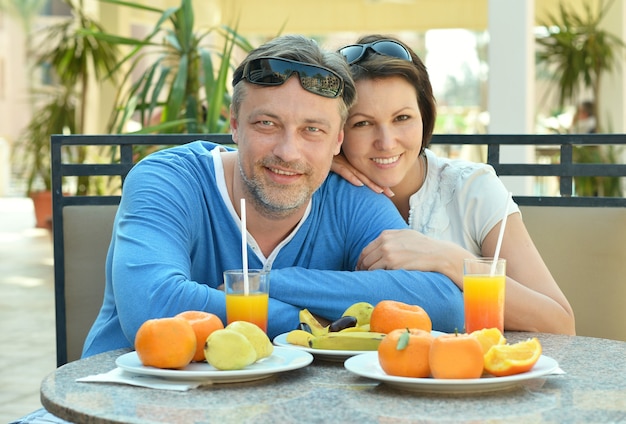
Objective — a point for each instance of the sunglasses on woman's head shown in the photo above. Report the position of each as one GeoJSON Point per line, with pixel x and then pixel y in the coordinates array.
{"type": "Point", "coordinates": [356, 52]}
{"type": "Point", "coordinates": [270, 71]}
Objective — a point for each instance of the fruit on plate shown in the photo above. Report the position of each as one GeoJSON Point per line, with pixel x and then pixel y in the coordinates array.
{"type": "Point", "coordinates": [509, 359]}
{"type": "Point", "coordinates": [488, 337]}
{"type": "Point", "coordinates": [389, 315]}
{"type": "Point", "coordinates": [351, 340]}
{"type": "Point", "coordinates": [404, 353]}
{"type": "Point", "coordinates": [261, 343]}
{"type": "Point", "coordinates": [358, 328]}
{"type": "Point", "coordinates": [456, 356]}
{"type": "Point", "coordinates": [229, 350]}
{"type": "Point", "coordinates": [306, 317]}
{"type": "Point", "coordinates": [203, 324]}
{"type": "Point", "coordinates": [165, 343]}
{"type": "Point", "coordinates": [299, 337]}
{"type": "Point", "coordinates": [342, 323]}
{"type": "Point", "coordinates": [362, 311]}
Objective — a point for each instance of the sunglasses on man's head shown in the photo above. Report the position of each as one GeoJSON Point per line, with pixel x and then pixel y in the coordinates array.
{"type": "Point", "coordinates": [275, 71]}
{"type": "Point", "coordinates": [356, 52]}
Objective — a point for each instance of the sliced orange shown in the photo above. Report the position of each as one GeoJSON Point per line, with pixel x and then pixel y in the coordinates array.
{"type": "Point", "coordinates": [509, 359]}
{"type": "Point", "coordinates": [488, 337]}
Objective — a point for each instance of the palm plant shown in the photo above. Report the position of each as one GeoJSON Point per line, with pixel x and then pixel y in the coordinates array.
{"type": "Point", "coordinates": [578, 51]}
{"type": "Point", "coordinates": [182, 89]}
{"type": "Point", "coordinates": [25, 11]}
{"type": "Point", "coordinates": [73, 58]}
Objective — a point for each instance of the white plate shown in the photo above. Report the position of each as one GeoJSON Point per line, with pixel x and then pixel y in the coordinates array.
{"type": "Point", "coordinates": [326, 354]}
{"type": "Point", "coordinates": [282, 359]}
{"type": "Point", "coordinates": [366, 365]}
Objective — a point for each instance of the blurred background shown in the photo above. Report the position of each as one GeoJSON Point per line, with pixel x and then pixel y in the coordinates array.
{"type": "Point", "coordinates": [102, 66]}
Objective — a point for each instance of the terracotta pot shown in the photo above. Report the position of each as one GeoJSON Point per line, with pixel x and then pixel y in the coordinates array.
{"type": "Point", "coordinates": [42, 201]}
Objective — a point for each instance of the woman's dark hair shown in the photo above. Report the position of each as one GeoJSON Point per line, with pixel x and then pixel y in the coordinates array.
{"type": "Point", "coordinates": [374, 66]}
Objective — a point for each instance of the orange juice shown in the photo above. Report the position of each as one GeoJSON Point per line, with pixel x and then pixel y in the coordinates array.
{"type": "Point", "coordinates": [251, 308]}
{"type": "Point", "coordinates": [484, 301]}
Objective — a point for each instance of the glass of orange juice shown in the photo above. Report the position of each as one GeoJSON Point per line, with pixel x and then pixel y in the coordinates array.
{"type": "Point", "coordinates": [249, 305]}
{"type": "Point", "coordinates": [483, 293]}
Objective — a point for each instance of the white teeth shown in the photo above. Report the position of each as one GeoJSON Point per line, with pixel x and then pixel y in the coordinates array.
{"type": "Point", "coordinates": [386, 161]}
{"type": "Point", "coordinates": [281, 172]}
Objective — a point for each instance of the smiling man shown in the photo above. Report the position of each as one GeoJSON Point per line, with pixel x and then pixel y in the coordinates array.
{"type": "Point", "coordinates": [178, 226]}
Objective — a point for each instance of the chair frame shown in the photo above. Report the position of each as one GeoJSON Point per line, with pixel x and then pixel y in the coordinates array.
{"type": "Point", "coordinates": [566, 170]}
{"type": "Point", "coordinates": [60, 169]}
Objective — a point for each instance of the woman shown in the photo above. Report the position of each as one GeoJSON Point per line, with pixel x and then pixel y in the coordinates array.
{"type": "Point", "coordinates": [455, 206]}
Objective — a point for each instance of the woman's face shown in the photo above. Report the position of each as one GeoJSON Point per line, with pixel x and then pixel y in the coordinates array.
{"type": "Point", "coordinates": [383, 133]}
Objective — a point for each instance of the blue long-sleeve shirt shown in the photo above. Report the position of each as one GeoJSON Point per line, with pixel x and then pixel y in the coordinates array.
{"type": "Point", "coordinates": [176, 231]}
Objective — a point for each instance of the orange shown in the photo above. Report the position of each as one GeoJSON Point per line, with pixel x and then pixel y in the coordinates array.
{"type": "Point", "coordinates": [456, 356]}
{"type": "Point", "coordinates": [203, 324]}
{"type": "Point", "coordinates": [488, 337]}
{"type": "Point", "coordinates": [404, 353]}
{"type": "Point", "coordinates": [389, 315]}
{"type": "Point", "coordinates": [165, 343]}
{"type": "Point", "coordinates": [509, 359]}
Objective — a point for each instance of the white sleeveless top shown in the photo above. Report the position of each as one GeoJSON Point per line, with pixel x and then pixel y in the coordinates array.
{"type": "Point", "coordinates": [460, 201]}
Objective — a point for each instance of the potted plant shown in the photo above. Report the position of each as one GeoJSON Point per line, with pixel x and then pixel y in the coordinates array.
{"type": "Point", "coordinates": [33, 151]}
{"type": "Point", "coordinates": [72, 58]}
{"type": "Point", "coordinates": [578, 52]}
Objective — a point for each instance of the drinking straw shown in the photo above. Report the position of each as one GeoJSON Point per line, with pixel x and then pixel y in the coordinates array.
{"type": "Point", "coordinates": [244, 248]}
{"type": "Point", "coordinates": [501, 235]}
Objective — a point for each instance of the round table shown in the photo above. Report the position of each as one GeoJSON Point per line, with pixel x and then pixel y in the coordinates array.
{"type": "Point", "coordinates": [593, 389]}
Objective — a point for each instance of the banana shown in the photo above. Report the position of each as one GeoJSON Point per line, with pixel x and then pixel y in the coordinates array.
{"type": "Point", "coordinates": [299, 337]}
{"type": "Point", "coordinates": [362, 311]}
{"type": "Point", "coordinates": [316, 328]}
{"type": "Point", "coordinates": [351, 340]}
{"type": "Point", "coordinates": [360, 328]}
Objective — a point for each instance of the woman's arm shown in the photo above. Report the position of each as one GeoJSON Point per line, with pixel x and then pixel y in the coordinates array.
{"type": "Point", "coordinates": [533, 302]}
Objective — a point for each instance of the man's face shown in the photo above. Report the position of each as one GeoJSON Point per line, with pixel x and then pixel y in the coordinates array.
{"type": "Point", "coordinates": [287, 138]}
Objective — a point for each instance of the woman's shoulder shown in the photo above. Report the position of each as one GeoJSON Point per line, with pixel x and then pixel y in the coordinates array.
{"type": "Point", "coordinates": [456, 168]}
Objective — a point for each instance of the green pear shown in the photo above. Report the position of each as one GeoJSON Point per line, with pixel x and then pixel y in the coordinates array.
{"type": "Point", "coordinates": [229, 350]}
{"type": "Point", "coordinates": [362, 311]}
{"type": "Point", "coordinates": [261, 343]}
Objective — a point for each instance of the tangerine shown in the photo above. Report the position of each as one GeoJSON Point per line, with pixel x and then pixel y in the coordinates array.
{"type": "Point", "coordinates": [165, 343]}
{"type": "Point", "coordinates": [404, 353]}
{"type": "Point", "coordinates": [456, 356]}
{"type": "Point", "coordinates": [488, 337]}
{"type": "Point", "coordinates": [389, 315]}
{"type": "Point", "coordinates": [203, 324]}
{"type": "Point", "coordinates": [509, 359]}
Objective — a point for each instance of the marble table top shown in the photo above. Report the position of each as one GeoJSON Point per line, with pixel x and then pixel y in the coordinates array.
{"type": "Point", "coordinates": [592, 389]}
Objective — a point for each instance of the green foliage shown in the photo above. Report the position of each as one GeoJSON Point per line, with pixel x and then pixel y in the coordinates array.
{"type": "Point", "coordinates": [578, 51]}
{"type": "Point", "coordinates": [181, 87]}
{"type": "Point", "coordinates": [183, 80]}
{"type": "Point", "coordinates": [72, 55]}
{"type": "Point", "coordinates": [597, 186]}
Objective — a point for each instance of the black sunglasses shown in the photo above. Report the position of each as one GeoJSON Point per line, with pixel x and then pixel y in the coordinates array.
{"type": "Point", "coordinates": [275, 71]}
{"type": "Point", "coordinates": [355, 52]}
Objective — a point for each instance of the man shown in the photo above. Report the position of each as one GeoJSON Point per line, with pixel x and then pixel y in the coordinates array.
{"type": "Point", "coordinates": [178, 224]}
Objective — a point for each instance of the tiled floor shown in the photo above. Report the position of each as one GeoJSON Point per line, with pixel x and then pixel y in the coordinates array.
{"type": "Point", "coordinates": [27, 334]}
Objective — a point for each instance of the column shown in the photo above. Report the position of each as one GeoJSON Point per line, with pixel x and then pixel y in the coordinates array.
{"type": "Point", "coordinates": [511, 81]}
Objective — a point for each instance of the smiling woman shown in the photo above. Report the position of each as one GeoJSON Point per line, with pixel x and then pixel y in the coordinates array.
{"type": "Point", "coordinates": [455, 208]}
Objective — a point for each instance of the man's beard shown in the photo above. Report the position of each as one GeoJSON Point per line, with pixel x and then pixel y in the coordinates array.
{"type": "Point", "coordinates": [270, 200]}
